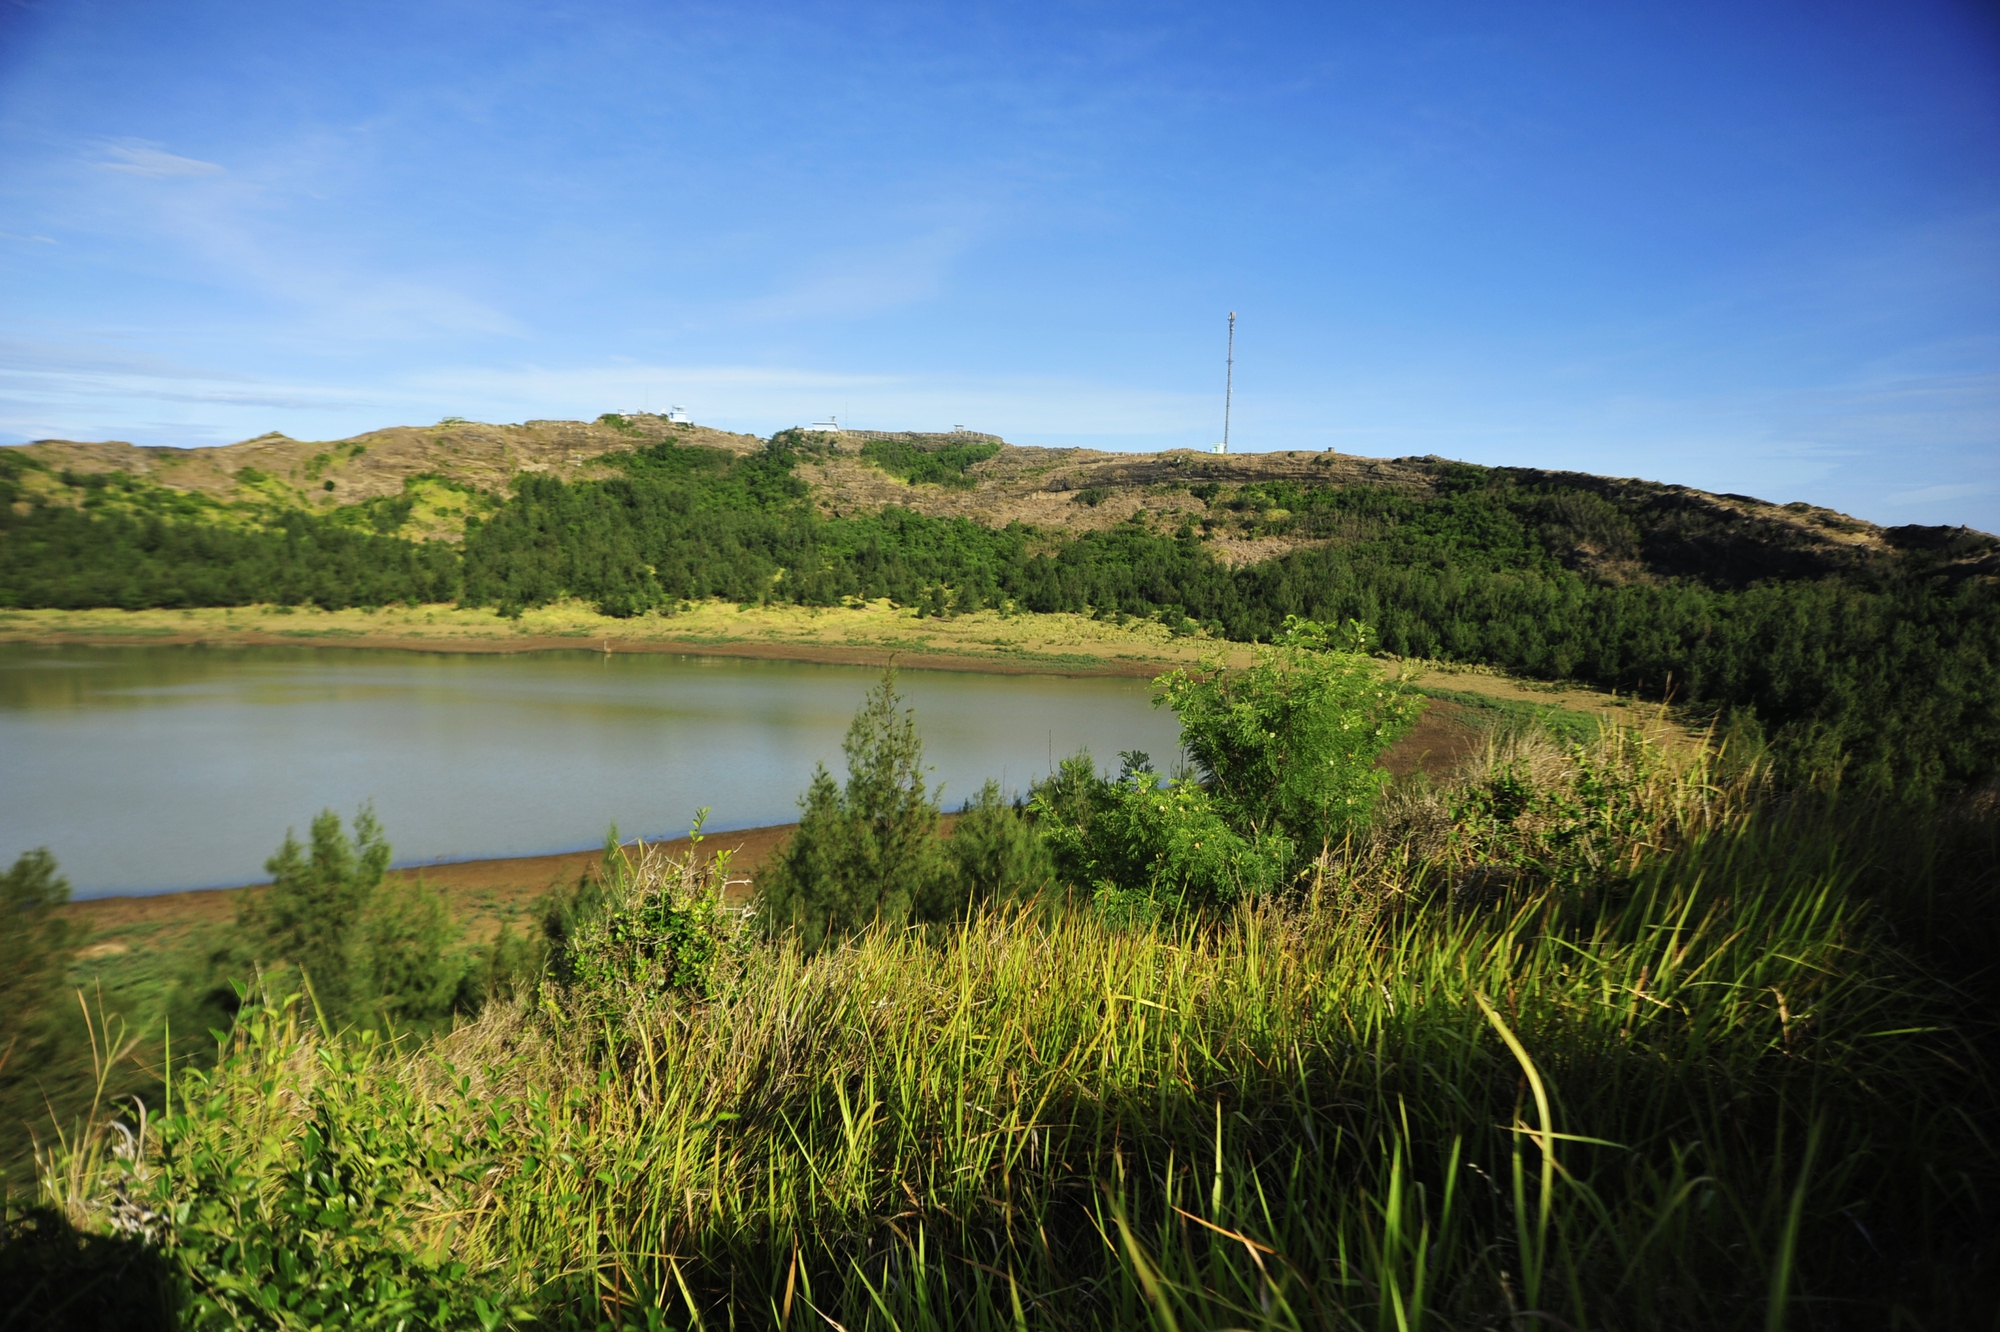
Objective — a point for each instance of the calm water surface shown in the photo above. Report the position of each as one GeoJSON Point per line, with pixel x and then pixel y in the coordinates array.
{"type": "Point", "coordinates": [153, 769]}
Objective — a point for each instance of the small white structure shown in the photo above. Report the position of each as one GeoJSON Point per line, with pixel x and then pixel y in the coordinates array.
{"type": "Point", "coordinates": [1219, 448]}
{"type": "Point", "coordinates": [679, 416]}
{"type": "Point", "coordinates": [830, 426]}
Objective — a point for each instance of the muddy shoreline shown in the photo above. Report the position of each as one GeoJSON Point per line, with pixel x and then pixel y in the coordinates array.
{"type": "Point", "coordinates": [482, 893]}
{"type": "Point", "coordinates": [818, 653]}
{"type": "Point", "coordinates": [485, 892]}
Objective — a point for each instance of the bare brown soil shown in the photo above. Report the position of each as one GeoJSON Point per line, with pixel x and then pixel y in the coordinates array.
{"type": "Point", "coordinates": [1445, 736]}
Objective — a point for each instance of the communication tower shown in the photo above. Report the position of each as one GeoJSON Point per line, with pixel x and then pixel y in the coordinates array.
{"type": "Point", "coordinates": [1228, 383]}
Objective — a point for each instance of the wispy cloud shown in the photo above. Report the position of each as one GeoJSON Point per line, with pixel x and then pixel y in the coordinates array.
{"type": "Point", "coordinates": [138, 158]}
{"type": "Point", "coordinates": [36, 240]}
{"type": "Point", "coordinates": [865, 280]}
{"type": "Point", "coordinates": [83, 388]}
{"type": "Point", "coordinates": [1936, 494]}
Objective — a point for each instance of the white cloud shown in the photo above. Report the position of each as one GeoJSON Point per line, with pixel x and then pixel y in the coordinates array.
{"type": "Point", "coordinates": [1935, 494]}
{"type": "Point", "coordinates": [142, 159]}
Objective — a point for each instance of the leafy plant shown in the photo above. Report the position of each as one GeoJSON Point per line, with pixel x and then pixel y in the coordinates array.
{"type": "Point", "coordinates": [659, 927]}
{"type": "Point", "coordinates": [943, 465]}
{"type": "Point", "coordinates": [373, 955]}
{"type": "Point", "coordinates": [1144, 850]}
{"type": "Point", "coordinates": [865, 853]}
{"type": "Point", "coordinates": [295, 1210]}
{"type": "Point", "coordinates": [992, 857]}
{"type": "Point", "coordinates": [36, 945]}
{"type": "Point", "coordinates": [1287, 747]}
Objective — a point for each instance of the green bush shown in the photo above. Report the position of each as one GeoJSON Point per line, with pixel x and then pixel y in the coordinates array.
{"type": "Point", "coordinates": [36, 945]}
{"type": "Point", "coordinates": [652, 926]}
{"type": "Point", "coordinates": [993, 856]}
{"type": "Point", "coordinates": [301, 1215]}
{"type": "Point", "coordinates": [868, 852]}
{"type": "Point", "coordinates": [1142, 849]}
{"type": "Point", "coordinates": [946, 465]}
{"type": "Point", "coordinates": [1285, 751]}
{"type": "Point", "coordinates": [1287, 747]}
{"type": "Point", "coordinates": [371, 954]}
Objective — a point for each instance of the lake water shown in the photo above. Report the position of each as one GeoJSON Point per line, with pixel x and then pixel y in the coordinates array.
{"type": "Point", "coordinates": [163, 768]}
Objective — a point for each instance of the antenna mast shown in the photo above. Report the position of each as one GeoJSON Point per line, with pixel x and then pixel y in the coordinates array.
{"type": "Point", "coordinates": [1229, 381]}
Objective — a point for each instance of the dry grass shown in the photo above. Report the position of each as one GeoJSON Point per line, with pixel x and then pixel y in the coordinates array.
{"type": "Point", "coordinates": [869, 635]}
{"type": "Point", "coordinates": [1658, 1103]}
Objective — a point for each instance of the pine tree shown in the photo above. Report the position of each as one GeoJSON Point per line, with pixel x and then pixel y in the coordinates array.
{"type": "Point", "coordinates": [315, 913]}
{"type": "Point", "coordinates": [869, 852]}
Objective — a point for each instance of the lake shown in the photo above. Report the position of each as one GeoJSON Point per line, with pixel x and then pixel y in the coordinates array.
{"type": "Point", "coordinates": [163, 768]}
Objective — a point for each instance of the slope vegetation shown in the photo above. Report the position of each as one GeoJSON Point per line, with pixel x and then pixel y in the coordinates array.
{"type": "Point", "coordinates": [1861, 653]}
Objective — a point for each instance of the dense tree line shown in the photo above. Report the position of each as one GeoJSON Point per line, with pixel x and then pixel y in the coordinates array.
{"type": "Point", "coordinates": [1886, 671]}
{"type": "Point", "coordinates": [58, 556]}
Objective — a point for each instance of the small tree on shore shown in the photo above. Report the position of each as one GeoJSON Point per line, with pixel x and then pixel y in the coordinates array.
{"type": "Point", "coordinates": [37, 944]}
{"type": "Point", "coordinates": [1284, 753]}
{"type": "Point", "coordinates": [868, 852]}
{"type": "Point", "coordinates": [993, 855]}
{"type": "Point", "coordinates": [1287, 747]}
{"type": "Point", "coordinates": [371, 954]}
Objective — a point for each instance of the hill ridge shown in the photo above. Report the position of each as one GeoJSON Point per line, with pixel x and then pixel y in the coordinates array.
{"type": "Point", "coordinates": [1721, 537]}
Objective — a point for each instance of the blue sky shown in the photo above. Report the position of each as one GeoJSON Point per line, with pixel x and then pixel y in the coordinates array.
{"type": "Point", "coordinates": [1749, 247]}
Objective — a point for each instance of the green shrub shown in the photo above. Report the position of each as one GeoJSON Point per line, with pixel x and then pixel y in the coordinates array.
{"type": "Point", "coordinates": [993, 856]}
{"type": "Point", "coordinates": [371, 954]}
{"type": "Point", "coordinates": [299, 1211]}
{"type": "Point", "coordinates": [1287, 747]}
{"type": "Point", "coordinates": [945, 465]}
{"type": "Point", "coordinates": [36, 945]}
{"type": "Point", "coordinates": [869, 852]}
{"type": "Point", "coordinates": [1142, 849]}
{"type": "Point", "coordinates": [656, 927]}
{"type": "Point", "coordinates": [1285, 750]}
{"type": "Point", "coordinates": [413, 973]}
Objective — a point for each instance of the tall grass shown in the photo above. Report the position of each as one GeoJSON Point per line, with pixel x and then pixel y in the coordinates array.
{"type": "Point", "coordinates": [1717, 1085]}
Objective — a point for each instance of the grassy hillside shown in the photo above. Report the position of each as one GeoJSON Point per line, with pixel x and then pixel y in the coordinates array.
{"type": "Point", "coordinates": [1602, 1036]}
{"type": "Point", "coordinates": [1795, 626]}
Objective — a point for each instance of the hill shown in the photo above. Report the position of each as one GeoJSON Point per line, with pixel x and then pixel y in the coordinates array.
{"type": "Point", "coordinates": [1857, 653]}
{"type": "Point", "coordinates": [1659, 530]}
{"type": "Point", "coordinates": [1259, 1049]}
